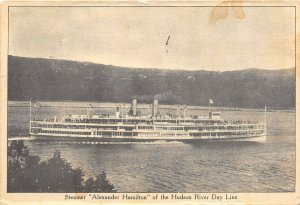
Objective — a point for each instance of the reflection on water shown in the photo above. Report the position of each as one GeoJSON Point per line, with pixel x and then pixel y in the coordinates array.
{"type": "Point", "coordinates": [179, 167]}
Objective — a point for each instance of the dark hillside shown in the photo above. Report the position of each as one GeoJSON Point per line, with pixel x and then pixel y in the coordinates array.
{"type": "Point", "coordinates": [60, 80]}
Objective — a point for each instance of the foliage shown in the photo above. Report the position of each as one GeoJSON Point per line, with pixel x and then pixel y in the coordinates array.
{"type": "Point", "coordinates": [100, 184]}
{"type": "Point", "coordinates": [71, 80]}
{"type": "Point", "coordinates": [27, 173]}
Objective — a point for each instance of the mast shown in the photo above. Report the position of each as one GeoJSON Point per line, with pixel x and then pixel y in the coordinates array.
{"type": "Point", "coordinates": [177, 113]}
{"type": "Point", "coordinates": [265, 119]}
{"type": "Point", "coordinates": [30, 117]}
{"type": "Point", "coordinates": [88, 109]}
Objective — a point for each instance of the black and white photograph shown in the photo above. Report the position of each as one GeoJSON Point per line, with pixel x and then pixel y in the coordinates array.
{"type": "Point", "coordinates": [151, 99]}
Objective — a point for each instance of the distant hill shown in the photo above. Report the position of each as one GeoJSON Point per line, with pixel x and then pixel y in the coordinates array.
{"type": "Point", "coordinates": [61, 80]}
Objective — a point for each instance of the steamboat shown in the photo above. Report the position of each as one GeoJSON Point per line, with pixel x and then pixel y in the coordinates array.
{"type": "Point", "coordinates": [133, 126]}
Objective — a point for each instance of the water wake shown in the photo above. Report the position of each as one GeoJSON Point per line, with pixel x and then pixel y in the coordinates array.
{"type": "Point", "coordinates": [19, 138]}
{"type": "Point", "coordinates": [156, 142]}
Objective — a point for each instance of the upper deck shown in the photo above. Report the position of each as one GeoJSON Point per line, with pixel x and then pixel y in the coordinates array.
{"type": "Point", "coordinates": [134, 117]}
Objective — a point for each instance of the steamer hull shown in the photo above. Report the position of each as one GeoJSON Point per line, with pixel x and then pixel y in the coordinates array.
{"type": "Point", "coordinates": [87, 139]}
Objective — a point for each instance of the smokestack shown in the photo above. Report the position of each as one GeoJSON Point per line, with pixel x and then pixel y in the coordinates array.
{"type": "Point", "coordinates": [134, 106]}
{"type": "Point", "coordinates": [154, 108]}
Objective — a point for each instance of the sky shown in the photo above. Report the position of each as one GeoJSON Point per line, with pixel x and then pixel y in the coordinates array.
{"type": "Point", "coordinates": [137, 37]}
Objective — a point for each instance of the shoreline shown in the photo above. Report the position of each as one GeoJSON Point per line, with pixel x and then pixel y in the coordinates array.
{"type": "Point", "coordinates": [93, 105]}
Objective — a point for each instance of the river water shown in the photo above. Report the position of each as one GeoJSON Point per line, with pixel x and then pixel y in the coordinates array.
{"type": "Point", "coordinates": [174, 166]}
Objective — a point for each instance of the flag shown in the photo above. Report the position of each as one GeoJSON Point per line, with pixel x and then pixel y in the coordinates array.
{"type": "Point", "coordinates": [185, 107]}
{"type": "Point", "coordinates": [36, 104]}
{"type": "Point", "coordinates": [211, 101]}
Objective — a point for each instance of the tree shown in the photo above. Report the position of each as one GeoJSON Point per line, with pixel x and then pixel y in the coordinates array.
{"type": "Point", "coordinates": [57, 175]}
{"type": "Point", "coordinates": [20, 166]}
{"type": "Point", "coordinates": [27, 173]}
{"type": "Point", "coordinates": [100, 184]}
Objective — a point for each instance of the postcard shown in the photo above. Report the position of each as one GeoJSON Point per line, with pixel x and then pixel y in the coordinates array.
{"type": "Point", "coordinates": [178, 102]}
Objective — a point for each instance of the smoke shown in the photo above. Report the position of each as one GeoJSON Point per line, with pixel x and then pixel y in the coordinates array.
{"type": "Point", "coordinates": [166, 97]}
{"type": "Point", "coordinates": [145, 98]}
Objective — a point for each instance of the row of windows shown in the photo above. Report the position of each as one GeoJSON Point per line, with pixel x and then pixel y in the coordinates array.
{"type": "Point", "coordinates": [116, 134]}
{"type": "Point", "coordinates": [66, 133]}
{"type": "Point", "coordinates": [226, 133]}
{"type": "Point", "coordinates": [81, 127]}
{"type": "Point", "coordinates": [169, 128]}
{"type": "Point", "coordinates": [147, 127]}
{"type": "Point", "coordinates": [137, 121]}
